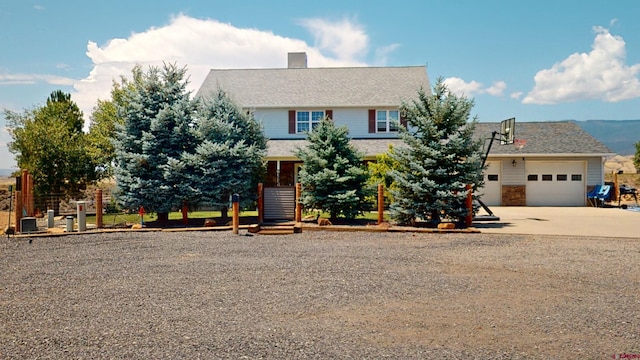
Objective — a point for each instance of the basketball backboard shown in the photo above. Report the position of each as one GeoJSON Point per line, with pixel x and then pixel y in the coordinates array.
{"type": "Point", "coordinates": [507, 131]}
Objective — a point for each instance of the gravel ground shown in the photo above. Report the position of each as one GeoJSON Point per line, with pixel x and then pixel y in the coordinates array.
{"type": "Point", "coordinates": [205, 295]}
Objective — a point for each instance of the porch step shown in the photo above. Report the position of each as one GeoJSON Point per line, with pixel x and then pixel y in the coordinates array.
{"type": "Point", "coordinates": [266, 229]}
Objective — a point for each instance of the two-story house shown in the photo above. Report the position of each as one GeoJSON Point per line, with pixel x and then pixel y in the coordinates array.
{"type": "Point", "coordinates": [290, 101]}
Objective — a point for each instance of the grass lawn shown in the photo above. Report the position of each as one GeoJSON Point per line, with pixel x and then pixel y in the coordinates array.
{"type": "Point", "coordinates": [122, 218]}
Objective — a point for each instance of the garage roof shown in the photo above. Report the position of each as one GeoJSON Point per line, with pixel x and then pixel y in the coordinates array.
{"type": "Point", "coordinates": [546, 138]}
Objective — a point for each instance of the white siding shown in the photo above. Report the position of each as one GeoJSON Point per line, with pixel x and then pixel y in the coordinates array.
{"type": "Point", "coordinates": [492, 190]}
{"type": "Point", "coordinates": [276, 122]}
{"type": "Point", "coordinates": [512, 175]}
{"type": "Point", "coordinates": [595, 171]}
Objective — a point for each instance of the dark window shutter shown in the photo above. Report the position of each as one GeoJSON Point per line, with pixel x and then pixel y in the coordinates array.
{"type": "Point", "coordinates": [329, 114]}
{"type": "Point", "coordinates": [403, 120]}
{"type": "Point", "coordinates": [372, 120]}
{"type": "Point", "coordinates": [292, 121]}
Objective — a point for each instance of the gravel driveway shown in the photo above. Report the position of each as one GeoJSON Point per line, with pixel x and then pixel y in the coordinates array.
{"type": "Point", "coordinates": [204, 295]}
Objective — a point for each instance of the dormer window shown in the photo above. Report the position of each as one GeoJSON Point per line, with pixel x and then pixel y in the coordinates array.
{"type": "Point", "coordinates": [308, 120]}
{"type": "Point", "coordinates": [387, 120]}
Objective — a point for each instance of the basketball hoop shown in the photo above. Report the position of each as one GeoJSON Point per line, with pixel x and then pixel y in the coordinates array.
{"type": "Point", "coordinates": [519, 143]}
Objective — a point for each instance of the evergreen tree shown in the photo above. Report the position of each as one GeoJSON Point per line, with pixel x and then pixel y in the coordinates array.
{"type": "Point", "coordinates": [333, 177]}
{"type": "Point", "coordinates": [150, 145]}
{"type": "Point", "coordinates": [440, 158]}
{"type": "Point", "coordinates": [229, 156]}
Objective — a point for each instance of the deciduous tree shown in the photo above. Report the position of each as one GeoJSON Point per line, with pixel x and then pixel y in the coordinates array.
{"type": "Point", "coordinates": [48, 141]}
{"type": "Point", "coordinates": [102, 129]}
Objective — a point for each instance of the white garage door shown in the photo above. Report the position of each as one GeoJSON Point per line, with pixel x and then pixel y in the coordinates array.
{"type": "Point", "coordinates": [558, 183]}
{"type": "Point", "coordinates": [492, 190]}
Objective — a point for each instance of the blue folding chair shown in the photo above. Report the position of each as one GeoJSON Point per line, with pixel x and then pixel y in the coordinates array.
{"type": "Point", "coordinates": [592, 195]}
{"type": "Point", "coordinates": [601, 196]}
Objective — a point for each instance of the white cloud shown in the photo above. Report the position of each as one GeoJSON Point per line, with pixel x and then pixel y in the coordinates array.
{"type": "Point", "coordinates": [462, 88]}
{"type": "Point", "coordinates": [598, 75]}
{"type": "Point", "coordinates": [345, 39]}
{"type": "Point", "coordinates": [382, 54]}
{"type": "Point", "coordinates": [202, 44]}
{"type": "Point", "coordinates": [516, 95]}
{"type": "Point", "coordinates": [497, 89]}
{"type": "Point", "coordinates": [19, 79]}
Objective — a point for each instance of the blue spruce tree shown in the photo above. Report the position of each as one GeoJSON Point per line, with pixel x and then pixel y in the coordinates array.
{"type": "Point", "coordinates": [439, 160]}
{"type": "Point", "coordinates": [229, 156]}
{"type": "Point", "coordinates": [151, 144]}
{"type": "Point", "coordinates": [333, 176]}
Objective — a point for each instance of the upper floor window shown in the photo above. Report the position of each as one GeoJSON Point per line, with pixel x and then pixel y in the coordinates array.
{"type": "Point", "coordinates": [308, 120]}
{"type": "Point", "coordinates": [387, 120]}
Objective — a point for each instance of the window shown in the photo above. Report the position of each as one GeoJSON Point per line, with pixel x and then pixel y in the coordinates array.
{"type": "Point", "coordinates": [576, 177]}
{"type": "Point", "coordinates": [308, 120]}
{"type": "Point", "coordinates": [387, 120]}
{"type": "Point", "coordinates": [561, 177]}
{"type": "Point", "coordinates": [532, 177]}
{"type": "Point", "coordinates": [547, 177]}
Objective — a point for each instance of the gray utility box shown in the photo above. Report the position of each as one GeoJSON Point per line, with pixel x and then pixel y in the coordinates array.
{"type": "Point", "coordinates": [28, 224]}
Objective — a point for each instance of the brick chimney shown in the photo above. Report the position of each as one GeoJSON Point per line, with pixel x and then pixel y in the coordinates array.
{"type": "Point", "coordinates": [297, 60]}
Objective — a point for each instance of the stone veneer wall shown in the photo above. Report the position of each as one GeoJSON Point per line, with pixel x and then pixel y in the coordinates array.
{"type": "Point", "coordinates": [514, 195]}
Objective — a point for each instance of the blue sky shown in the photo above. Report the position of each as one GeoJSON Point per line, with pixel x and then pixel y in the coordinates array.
{"type": "Point", "coordinates": [533, 60]}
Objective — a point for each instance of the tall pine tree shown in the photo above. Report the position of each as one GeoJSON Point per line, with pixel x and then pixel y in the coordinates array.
{"type": "Point", "coordinates": [333, 176]}
{"type": "Point", "coordinates": [439, 160]}
{"type": "Point", "coordinates": [151, 143]}
{"type": "Point", "coordinates": [229, 156]}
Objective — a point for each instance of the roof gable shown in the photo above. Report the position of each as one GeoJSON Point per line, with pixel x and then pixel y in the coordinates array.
{"type": "Point", "coordinates": [318, 87]}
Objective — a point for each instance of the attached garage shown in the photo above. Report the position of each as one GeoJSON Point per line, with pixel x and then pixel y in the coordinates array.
{"type": "Point", "coordinates": [492, 190]}
{"type": "Point", "coordinates": [559, 183]}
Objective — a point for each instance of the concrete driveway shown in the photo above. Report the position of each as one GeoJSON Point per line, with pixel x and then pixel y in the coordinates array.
{"type": "Point", "coordinates": [569, 221]}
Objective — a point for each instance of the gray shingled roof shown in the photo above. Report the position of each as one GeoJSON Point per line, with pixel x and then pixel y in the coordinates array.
{"type": "Point", "coordinates": [318, 87]}
{"type": "Point", "coordinates": [369, 147]}
{"type": "Point", "coordinates": [546, 138]}
{"type": "Point", "coordinates": [543, 138]}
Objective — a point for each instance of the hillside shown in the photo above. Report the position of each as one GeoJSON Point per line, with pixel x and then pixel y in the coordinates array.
{"type": "Point", "coordinates": [618, 135]}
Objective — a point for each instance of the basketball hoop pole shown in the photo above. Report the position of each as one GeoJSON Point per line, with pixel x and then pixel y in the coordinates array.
{"type": "Point", "coordinates": [484, 161]}
{"type": "Point", "coordinates": [507, 131]}
{"type": "Point", "coordinates": [493, 137]}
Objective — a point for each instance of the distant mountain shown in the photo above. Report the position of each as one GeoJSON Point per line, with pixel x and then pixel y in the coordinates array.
{"type": "Point", "coordinates": [6, 172]}
{"type": "Point", "coordinates": [618, 135]}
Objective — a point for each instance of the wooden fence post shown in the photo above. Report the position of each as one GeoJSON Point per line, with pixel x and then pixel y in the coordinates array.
{"type": "Point", "coordinates": [380, 203]}
{"type": "Point", "coordinates": [260, 203]}
{"type": "Point", "coordinates": [99, 223]}
{"type": "Point", "coordinates": [18, 210]}
{"type": "Point", "coordinates": [298, 204]}
{"type": "Point", "coordinates": [235, 199]}
{"type": "Point", "coordinates": [469, 202]}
